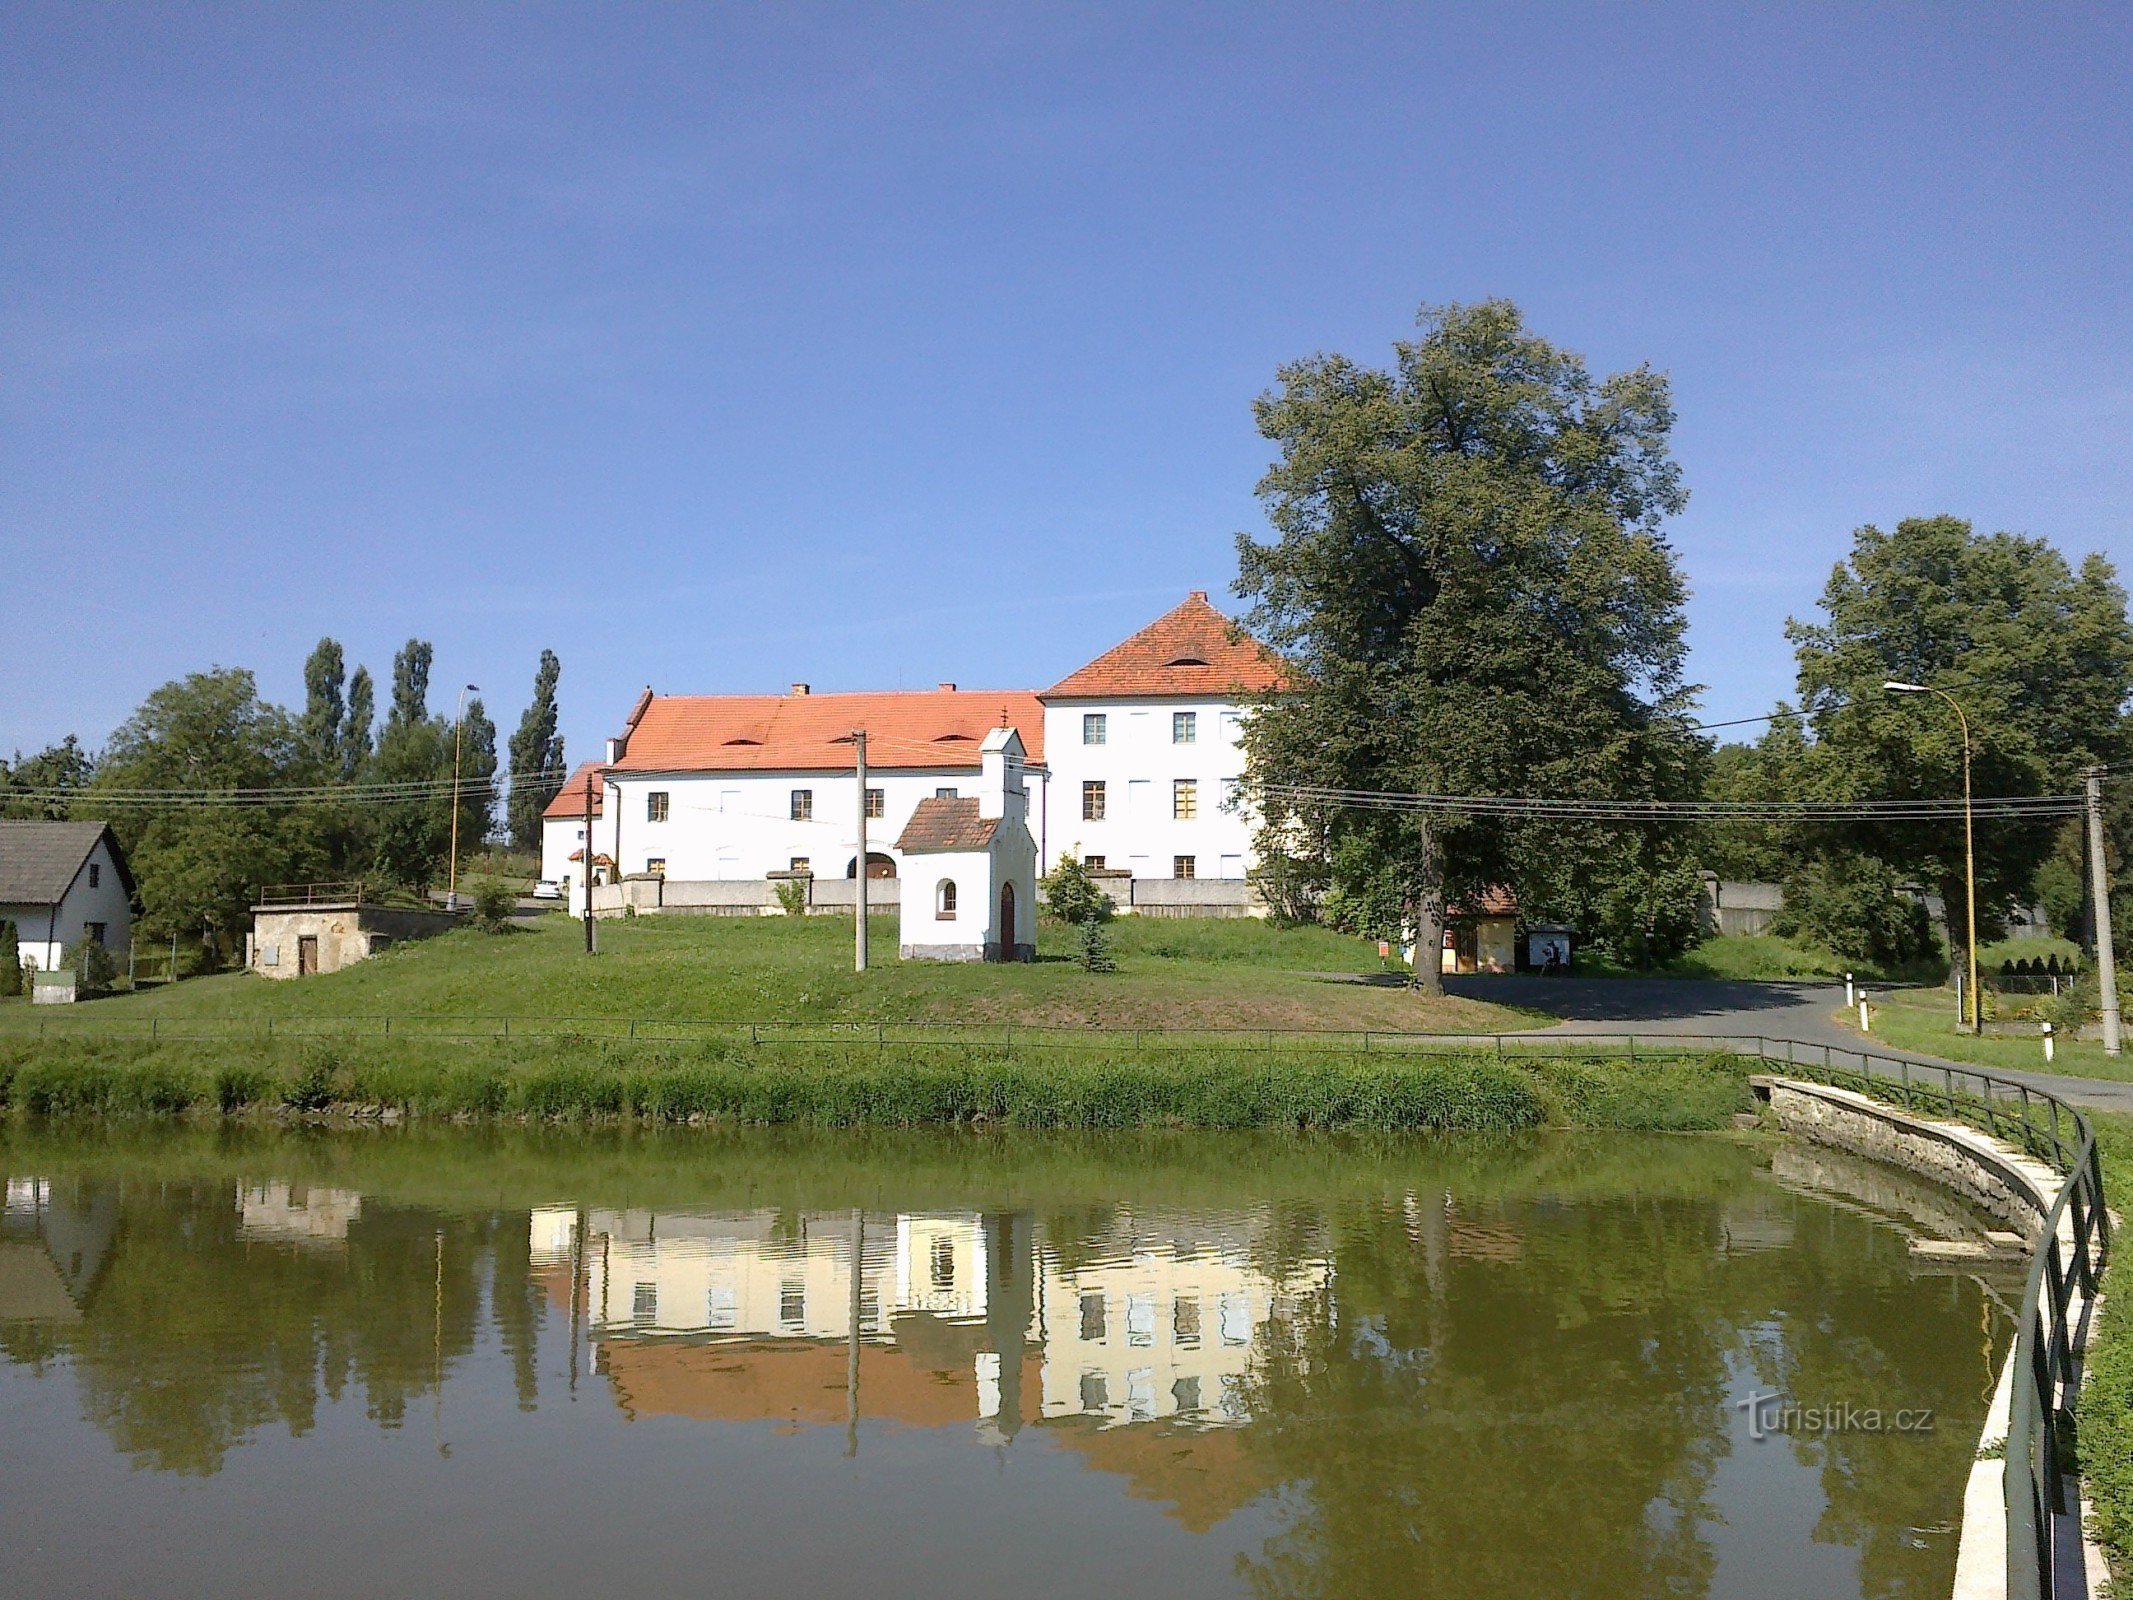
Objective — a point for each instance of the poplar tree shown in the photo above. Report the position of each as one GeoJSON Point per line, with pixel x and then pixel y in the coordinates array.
{"type": "Point", "coordinates": [1469, 577]}
{"type": "Point", "coordinates": [536, 757]}
{"type": "Point", "coordinates": [356, 724]}
{"type": "Point", "coordinates": [323, 707]}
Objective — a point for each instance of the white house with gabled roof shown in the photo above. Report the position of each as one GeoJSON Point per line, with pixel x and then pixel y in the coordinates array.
{"type": "Point", "coordinates": [1144, 746]}
{"type": "Point", "coordinates": [61, 882]}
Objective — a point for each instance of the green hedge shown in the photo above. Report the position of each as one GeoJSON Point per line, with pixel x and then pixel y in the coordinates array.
{"type": "Point", "coordinates": [870, 1088]}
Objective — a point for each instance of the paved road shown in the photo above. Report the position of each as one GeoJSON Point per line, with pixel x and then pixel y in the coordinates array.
{"type": "Point", "coordinates": [1803, 1011]}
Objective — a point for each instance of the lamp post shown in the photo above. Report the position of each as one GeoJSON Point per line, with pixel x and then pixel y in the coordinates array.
{"type": "Point", "coordinates": [1969, 834]}
{"type": "Point", "coordinates": [459, 723]}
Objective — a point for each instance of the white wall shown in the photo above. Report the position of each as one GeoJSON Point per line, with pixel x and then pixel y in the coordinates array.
{"type": "Point", "coordinates": [1137, 764]}
{"type": "Point", "coordinates": [739, 825]}
{"type": "Point", "coordinates": [560, 837]}
{"type": "Point", "coordinates": [43, 938]}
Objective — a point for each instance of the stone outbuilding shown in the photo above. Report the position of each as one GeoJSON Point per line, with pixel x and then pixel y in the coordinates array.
{"type": "Point", "coordinates": [970, 868]}
{"type": "Point", "coordinates": [325, 927]}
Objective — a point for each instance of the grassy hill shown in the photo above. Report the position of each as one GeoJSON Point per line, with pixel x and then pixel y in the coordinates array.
{"type": "Point", "coordinates": [1196, 973]}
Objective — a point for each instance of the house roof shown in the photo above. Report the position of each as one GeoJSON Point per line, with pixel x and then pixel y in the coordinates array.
{"type": "Point", "coordinates": [1190, 650]}
{"type": "Point", "coordinates": [39, 860]}
{"type": "Point", "coordinates": [916, 730]}
{"type": "Point", "coordinates": [947, 822]}
{"type": "Point", "coordinates": [570, 799]}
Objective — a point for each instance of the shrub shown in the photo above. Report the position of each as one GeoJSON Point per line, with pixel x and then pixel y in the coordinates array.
{"type": "Point", "coordinates": [1070, 893]}
{"type": "Point", "coordinates": [313, 1087]}
{"type": "Point", "coordinates": [10, 960]}
{"type": "Point", "coordinates": [792, 896]}
{"type": "Point", "coordinates": [236, 1087]}
{"type": "Point", "coordinates": [95, 968]}
{"type": "Point", "coordinates": [493, 904]}
{"type": "Point", "coordinates": [1095, 948]}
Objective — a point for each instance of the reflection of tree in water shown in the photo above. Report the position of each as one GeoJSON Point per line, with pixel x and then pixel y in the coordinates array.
{"type": "Point", "coordinates": [1526, 1398]}
{"type": "Point", "coordinates": [1479, 1406]}
{"type": "Point", "coordinates": [1852, 1338]}
{"type": "Point", "coordinates": [195, 1337]}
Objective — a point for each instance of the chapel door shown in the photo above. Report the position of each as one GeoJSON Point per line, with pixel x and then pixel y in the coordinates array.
{"type": "Point", "coordinates": [1007, 922]}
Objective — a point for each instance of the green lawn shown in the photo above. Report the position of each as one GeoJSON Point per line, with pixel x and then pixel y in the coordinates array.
{"type": "Point", "coordinates": [1924, 1020]}
{"type": "Point", "coordinates": [1182, 973]}
{"type": "Point", "coordinates": [1743, 956]}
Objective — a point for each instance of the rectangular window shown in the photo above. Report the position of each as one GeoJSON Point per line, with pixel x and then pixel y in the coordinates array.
{"type": "Point", "coordinates": [655, 806]}
{"type": "Point", "coordinates": [1092, 1318]}
{"type": "Point", "coordinates": [96, 875]}
{"type": "Point", "coordinates": [1095, 1392]}
{"type": "Point", "coordinates": [792, 1303]}
{"type": "Point", "coordinates": [803, 805]}
{"type": "Point", "coordinates": [1185, 799]}
{"type": "Point", "coordinates": [877, 802]}
{"type": "Point", "coordinates": [1140, 1319]}
{"type": "Point", "coordinates": [1095, 727]}
{"type": "Point", "coordinates": [95, 930]}
{"type": "Point", "coordinates": [1185, 1321]}
{"type": "Point", "coordinates": [1184, 727]}
{"type": "Point", "coordinates": [722, 1312]}
{"type": "Point", "coordinates": [1183, 866]}
{"type": "Point", "coordinates": [644, 1303]}
{"type": "Point", "coordinates": [656, 866]}
{"type": "Point", "coordinates": [1093, 863]}
{"type": "Point", "coordinates": [1092, 800]}
{"type": "Point", "coordinates": [799, 864]}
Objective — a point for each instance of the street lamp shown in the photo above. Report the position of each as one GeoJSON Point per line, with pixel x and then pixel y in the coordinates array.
{"type": "Point", "coordinates": [1969, 834]}
{"type": "Point", "coordinates": [459, 723]}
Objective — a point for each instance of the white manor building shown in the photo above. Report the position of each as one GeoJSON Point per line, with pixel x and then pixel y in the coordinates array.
{"type": "Point", "coordinates": [1129, 762]}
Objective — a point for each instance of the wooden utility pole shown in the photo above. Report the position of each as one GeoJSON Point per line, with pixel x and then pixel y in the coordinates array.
{"type": "Point", "coordinates": [459, 726]}
{"type": "Point", "coordinates": [859, 897]}
{"type": "Point", "coordinates": [2100, 896]}
{"type": "Point", "coordinates": [589, 944]}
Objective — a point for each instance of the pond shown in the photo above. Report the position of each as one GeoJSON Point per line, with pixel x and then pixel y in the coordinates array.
{"type": "Point", "coordinates": [535, 1363]}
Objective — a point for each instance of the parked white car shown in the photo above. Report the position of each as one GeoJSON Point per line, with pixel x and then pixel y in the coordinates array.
{"type": "Point", "coordinates": [547, 889]}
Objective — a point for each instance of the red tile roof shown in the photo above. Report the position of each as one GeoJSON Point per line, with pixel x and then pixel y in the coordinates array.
{"type": "Point", "coordinates": [1192, 650]}
{"type": "Point", "coordinates": [570, 799]}
{"type": "Point", "coordinates": [916, 730]}
{"type": "Point", "coordinates": [946, 822]}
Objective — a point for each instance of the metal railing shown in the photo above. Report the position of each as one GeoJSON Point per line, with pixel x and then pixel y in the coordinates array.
{"type": "Point", "coordinates": [2073, 1241]}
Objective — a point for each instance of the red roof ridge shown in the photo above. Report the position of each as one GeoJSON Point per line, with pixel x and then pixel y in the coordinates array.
{"type": "Point", "coordinates": [569, 800]}
{"type": "Point", "coordinates": [1190, 650]}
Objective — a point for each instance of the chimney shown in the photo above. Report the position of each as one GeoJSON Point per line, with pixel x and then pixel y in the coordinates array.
{"type": "Point", "coordinates": [947, 688]}
{"type": "Point", "coordinates": [801, 688]}
{"type": "Point", "coordinates": [1198, 594]}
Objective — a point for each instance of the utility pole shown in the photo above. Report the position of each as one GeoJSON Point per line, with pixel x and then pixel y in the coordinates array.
{"type": "Point", "coordinates": [2100, 896]}
{"type": "Point", "coordinates": [859, 898]}
{"type": "Point", "coordinates": [589, 945]}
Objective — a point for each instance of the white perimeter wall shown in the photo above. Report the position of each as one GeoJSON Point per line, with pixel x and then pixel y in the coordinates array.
{"type": "Point", "coordinates": [1137, 764]}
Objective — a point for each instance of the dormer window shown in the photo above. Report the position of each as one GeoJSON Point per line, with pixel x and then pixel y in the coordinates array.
{"type": "Point", "coordinates": [1185, 661]}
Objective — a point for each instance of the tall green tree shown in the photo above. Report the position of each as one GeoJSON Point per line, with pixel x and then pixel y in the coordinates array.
{"type": "Point", "coordinates": [198, 865]}
{"type": "Point", "coordinates": [356, 724]}
{"type": "Point", "coordinates": [1469, 575]}
{"type": "Point", "coordinates": [324, 705]}
{"type": "Point", "coordinates": [477, 776]}
{"type": "Point", "coordinates": [40, 787]}
{"type": "Point", "coordinates": [2039, 655]}
{"type": "Point", "coordinates": [411, 685]}
{"type": "Point", "coordinates": [536, 757]}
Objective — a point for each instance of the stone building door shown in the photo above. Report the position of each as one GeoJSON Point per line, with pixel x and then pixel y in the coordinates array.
{"type": "Point", "coordinates": [306, 955]}
{"type": "Point", "coordinates": [1007, 922]}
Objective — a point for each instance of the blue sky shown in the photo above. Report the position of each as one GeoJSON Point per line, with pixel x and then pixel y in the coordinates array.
{"type": "Point", "coordinates": [717, 347]}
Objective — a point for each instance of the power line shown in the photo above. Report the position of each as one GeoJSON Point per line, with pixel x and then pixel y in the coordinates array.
{"type": "Point", "coordinates": [1562, 808]}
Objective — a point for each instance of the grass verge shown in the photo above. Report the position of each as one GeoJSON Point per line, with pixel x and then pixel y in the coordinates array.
{"type": "Point", "coordinates": [2105, 1412]}
{"type": "Point", "coordinates": [892, 1087]}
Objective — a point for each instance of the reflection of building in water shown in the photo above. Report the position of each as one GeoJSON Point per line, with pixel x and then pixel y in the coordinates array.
{"type": "Point", "coordinates": [1168, 1327]}
{"type": "Point", "coordinates": [955, 1317]}
{"type": "Point", "coordinates": [54, 1241]}
{"type": "Point", "coordinates": [287, 1213]}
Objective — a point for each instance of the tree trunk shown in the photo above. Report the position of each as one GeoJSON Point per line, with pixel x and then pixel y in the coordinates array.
{"type": "Point", "coordinates": [1429, 911]}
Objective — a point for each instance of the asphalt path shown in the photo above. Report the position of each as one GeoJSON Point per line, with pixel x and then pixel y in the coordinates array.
{"type": "Point", "coordinates": [1734, 1009]}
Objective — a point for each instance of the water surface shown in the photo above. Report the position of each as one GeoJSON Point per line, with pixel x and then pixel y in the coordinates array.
{"type": "Point", "coordinates": [529, 1364]}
